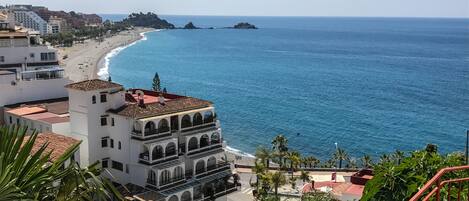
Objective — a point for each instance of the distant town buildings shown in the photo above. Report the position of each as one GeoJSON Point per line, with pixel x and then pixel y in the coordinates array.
{"type": "Point", "coordinates": [41, 19]}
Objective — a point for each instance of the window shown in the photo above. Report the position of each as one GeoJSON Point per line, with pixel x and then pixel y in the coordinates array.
{"type": "Point", "coordinates": [104, 163]}
{"type": "Point", "coordinates": [127, 168]}
{"type": "Point", "coordinates": [112, 121]}
{"type": "Point", "coordinates": [119, 146]}
{"type": "Point", "coordinates": [93, 99]}
{"type": "Point", "coordinates": [18, 121]}
{"type": "Point", "coordinates": [72, 158]}
{"type": "Point", "coordinates": [11, 119]}
{"type": "Point", "coordinates": [103, 121]}
{"type": "Point", "coordinates": [103, 98]}
{"type": "Point", "coordinates": [112, 143]}
{"type": "Point", "coordinates": [2, 58]}
{"type": "Point", "coordinates": [117, 165]}
{"type": "Point", "coordinates": [48, 56]}
{"type": "Point", "coordinates": [31, 55]}
{"type": "Point", "coordinates": [104, 142]}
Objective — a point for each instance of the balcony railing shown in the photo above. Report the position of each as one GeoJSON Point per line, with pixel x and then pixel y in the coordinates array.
{"type": "Point", "coordinates": [229, 188]}
{"type": "Point", "coordinates": [208, 125]}
{"type": "Point", "coordinates": [433, 189]}
{"type": "Point", "coordinates": [167, 183]}
{"type": "Point", "coordinates": [43, 74]}
{"type": "Point", "coordinates": [206, 148]}
{"type": "Point", "coordinates": [214, 169]}
{"type": "Point", "coordinates": [145, 158]}
{"type": "Point", "coordinates": [149, 135]}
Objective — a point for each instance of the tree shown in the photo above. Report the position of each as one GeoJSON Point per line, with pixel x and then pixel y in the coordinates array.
{"type": "Point", "coordinates": [351, 163]}
{"type": "Point", "coordinates": [276, 179]}
{"type": "Point", "coordinates": [156, 86]}
{"type": "Point", "coordinates": [398, 156]}
{"type": "Point", "coordinates": [318, 196]}
{"type": "Point", "coordinates": [341, 156]}
{"type": "Point", "coordinates": [366, 161]}
{"type": "Point", "coordinates": [263, 154]}
{"type": "Point", "coordinates": [29, 175]}
{"type": "Point", "coordinates": [304, 176]}
{"type": "Point", "coordinates": [294, 158]}
{"type": "Point", "coordinates": [280, 146]}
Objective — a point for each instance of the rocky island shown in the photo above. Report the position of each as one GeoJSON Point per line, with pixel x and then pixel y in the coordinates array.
{"type": "Point", "coordinates": [244, 25]}
{"type": "Point", "coordinates": [190, 25]}
{"type": "Point", "coordinates": [147, 20]}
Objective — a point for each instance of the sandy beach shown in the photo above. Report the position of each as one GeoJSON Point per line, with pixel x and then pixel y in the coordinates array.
{"type": "Point", "coordinates": [83, 61]}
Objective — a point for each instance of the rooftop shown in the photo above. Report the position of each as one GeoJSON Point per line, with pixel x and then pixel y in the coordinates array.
{"type": "Point", "coordinates": [91, 85]}
{"type": "Point", "coordinates": [152, 107]}
{"type": "Point", "coordinates": [58, 144]}
{"type": "Point", "coordinates": [58, 106]}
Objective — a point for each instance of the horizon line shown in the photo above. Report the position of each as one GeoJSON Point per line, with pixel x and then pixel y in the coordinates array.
{"type": "Point", "coordinates": [319, 16]}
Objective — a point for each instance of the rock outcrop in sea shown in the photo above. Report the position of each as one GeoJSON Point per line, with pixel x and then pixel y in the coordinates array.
{"type": "Point", "coordinates": [190, 25]}
{"type": "Point", "coordinates": [244, 25]}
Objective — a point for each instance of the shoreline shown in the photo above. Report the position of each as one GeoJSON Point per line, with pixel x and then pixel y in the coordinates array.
{"type": "Point", "coordinates": [84, 60]}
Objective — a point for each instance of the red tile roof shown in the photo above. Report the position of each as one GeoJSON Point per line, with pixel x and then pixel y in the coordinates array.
{"type": "Point", "coordinates": [91, 85]}
{"type": "Point", "coordinates": [58, 144]}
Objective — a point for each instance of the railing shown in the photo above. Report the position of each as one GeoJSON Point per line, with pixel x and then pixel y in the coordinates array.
{"type": "Point", "coordinates": [198, 127]}
{"type": "Point", "coordinates": [433, 188]}
{"type": "Point", "coordinates": [152, 134]}
{"type": "Point", "coordinates": [206, 148]}
{"type": "Point", "coordinates": [219, 167]}
{"type": "Point", "coordinates": [167, 183]}
{"type": "Point", "coordinates": [145, 158]}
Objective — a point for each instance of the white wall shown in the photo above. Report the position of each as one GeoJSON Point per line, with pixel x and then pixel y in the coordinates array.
{"type": "Point", "coordinates": [18, 54]}
{"type": "Point", "coordinates": [25, 91]}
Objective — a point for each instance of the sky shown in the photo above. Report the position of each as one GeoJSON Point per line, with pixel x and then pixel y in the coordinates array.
{"type": "Point", "coordinates": [356, 8]}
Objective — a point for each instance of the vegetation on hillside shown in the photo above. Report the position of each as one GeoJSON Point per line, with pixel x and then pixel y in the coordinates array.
{"type": "Point", "coordinates": [147, 20]}
{"type": "Point", "coordinates": [29, 175]}
{"type": "Point", "coordinates": [399, 176]}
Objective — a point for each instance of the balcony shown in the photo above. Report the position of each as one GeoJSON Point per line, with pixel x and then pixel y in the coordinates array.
{"type": "Point", "coordinates": [150, 134]}
{"type": "Point", "coordinates": [200, 173]}
{"type": "Point", "coordinates": [200, 128]}
{"type": "Point", "coordinates": [204, 149]}
{"type": "Point", "coordinates": [218, 192]}
{"type": "Point", "coordinates": [43, 74]}
{"type": "Point", "coordinates": [166, 184]}
{"type": "Point", "coordinates": [144, 158]}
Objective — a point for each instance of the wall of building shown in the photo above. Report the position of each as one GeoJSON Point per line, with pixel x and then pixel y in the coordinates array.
{"type": "Point", "coordinates": [19, 54]}
{"type": "Point", "coordinates": [25, 91]}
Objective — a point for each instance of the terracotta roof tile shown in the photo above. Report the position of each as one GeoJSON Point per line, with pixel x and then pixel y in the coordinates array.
{"type": "Point", "coordinates": [156, 109]}
{"type": "Point", "coordinates": [90, 85]}
{"type": "Point", "coordinates": [58, 144]}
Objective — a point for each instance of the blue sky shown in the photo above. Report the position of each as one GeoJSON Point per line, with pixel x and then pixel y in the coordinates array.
{"type": "Point", "coordinates": [381, 8]}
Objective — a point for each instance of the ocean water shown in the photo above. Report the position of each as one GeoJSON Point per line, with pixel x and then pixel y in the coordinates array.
{"type": "Point", "coordinates": [372, 85]}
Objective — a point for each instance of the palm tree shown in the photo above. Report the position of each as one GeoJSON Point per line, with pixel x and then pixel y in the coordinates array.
{"type": "Point", "coordinates": [263, 154]}
{"type": "Point", "coordinates": [276, 179]}
{"type": "Point", "coordinates": [304, 176]}
{"type": "Point", "coordinates": [398, 156]}
{"type": "Point", "coordinates": [367, 162]}
{"type": "Point", "coordinates": [384, 158]}
{"type": "Point", "coordinates": [294, 158]}
{"type": "Point", "coordinates": [280, 146]}
{"type": "Point", "coordinates": [351, 162]}
{"type": "Point", "coordinates": [341, 156]}
{"type": "Point", "coordinates": [260, 170]}
{"type": "Point", "coordinates": [30, 175]}
{"type": "Point", "coordinates": [315, 162]}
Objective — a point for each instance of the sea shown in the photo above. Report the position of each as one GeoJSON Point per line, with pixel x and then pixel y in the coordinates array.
{"type": "Point", "coordinates": [371, 85]}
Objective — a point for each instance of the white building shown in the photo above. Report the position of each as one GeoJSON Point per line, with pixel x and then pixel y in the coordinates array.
{"type": "Point", "coordinates": [29, 71]}
{"type": "Point", "coordinates": [169, 145]}
{"type": "Point", "coordinates": [25, 17]}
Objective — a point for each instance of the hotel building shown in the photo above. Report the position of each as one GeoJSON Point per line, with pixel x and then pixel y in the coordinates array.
{"type": "Point", "coordinates": [170, 147]}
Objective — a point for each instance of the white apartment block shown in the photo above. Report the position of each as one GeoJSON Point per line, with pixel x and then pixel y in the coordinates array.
{"type": "Point", "coordinates": [168, 146]}
{"type": "Point", "coordinates": [31, 20]}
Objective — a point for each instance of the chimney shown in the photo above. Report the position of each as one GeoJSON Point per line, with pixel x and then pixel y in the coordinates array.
{"type": "Point", "coordinates": [161, 99]}
{"type": "Point", "coordinates": [140, 98]}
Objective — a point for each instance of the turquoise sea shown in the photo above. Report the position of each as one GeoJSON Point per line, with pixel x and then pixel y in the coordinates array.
{"type": "Point", "coordinates": [372, 85]}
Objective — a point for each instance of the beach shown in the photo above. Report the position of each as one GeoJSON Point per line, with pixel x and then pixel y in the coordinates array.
{"type": "Point", "coordinates": [84, 60]}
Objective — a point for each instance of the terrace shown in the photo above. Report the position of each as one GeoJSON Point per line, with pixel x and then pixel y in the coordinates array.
{"type": "Point", "coordinates": [43, 74]}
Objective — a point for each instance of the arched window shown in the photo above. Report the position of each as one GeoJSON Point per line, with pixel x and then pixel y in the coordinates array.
{"type": "Point", "coordinates": [150, 128]}
{"type": "Point", "coordinates": [157, 153]}
{"type": "Point", "coordinates": [204, 141]}
{"type": "Point", "coordinates": [165, 177]}
{"type": "Point", "coordinates": [215, 138]}
{"type": "Point", "coordinates": [137, 127]}
{"type": "Point", "coordinates": [93, 99]}
{"type": "Point", "coordinates": [197, 120]}
{"type": "Point", "coordinates": [178, 173]}
{"type": "Point", "coordinates": [208, 117]}
{"type": "Point", "coordinates": [151, 177]}
{"type": "Point", "coordinates": [211, 163]}
{"type": "Point", "coordinates": [193, 144]}
{"type": "Point", "coordinates": [186, 196]}
{"type": "Point", "coordinates": [200, 167]}
{"type": "Point", "coordinates": [173, 198]}
{"type": "Point", "coordinates": [186, 121]}
{"type": "Point", "coordinates": [170, 149]}
{"type": "Point", "coordinates": [163, 126]}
